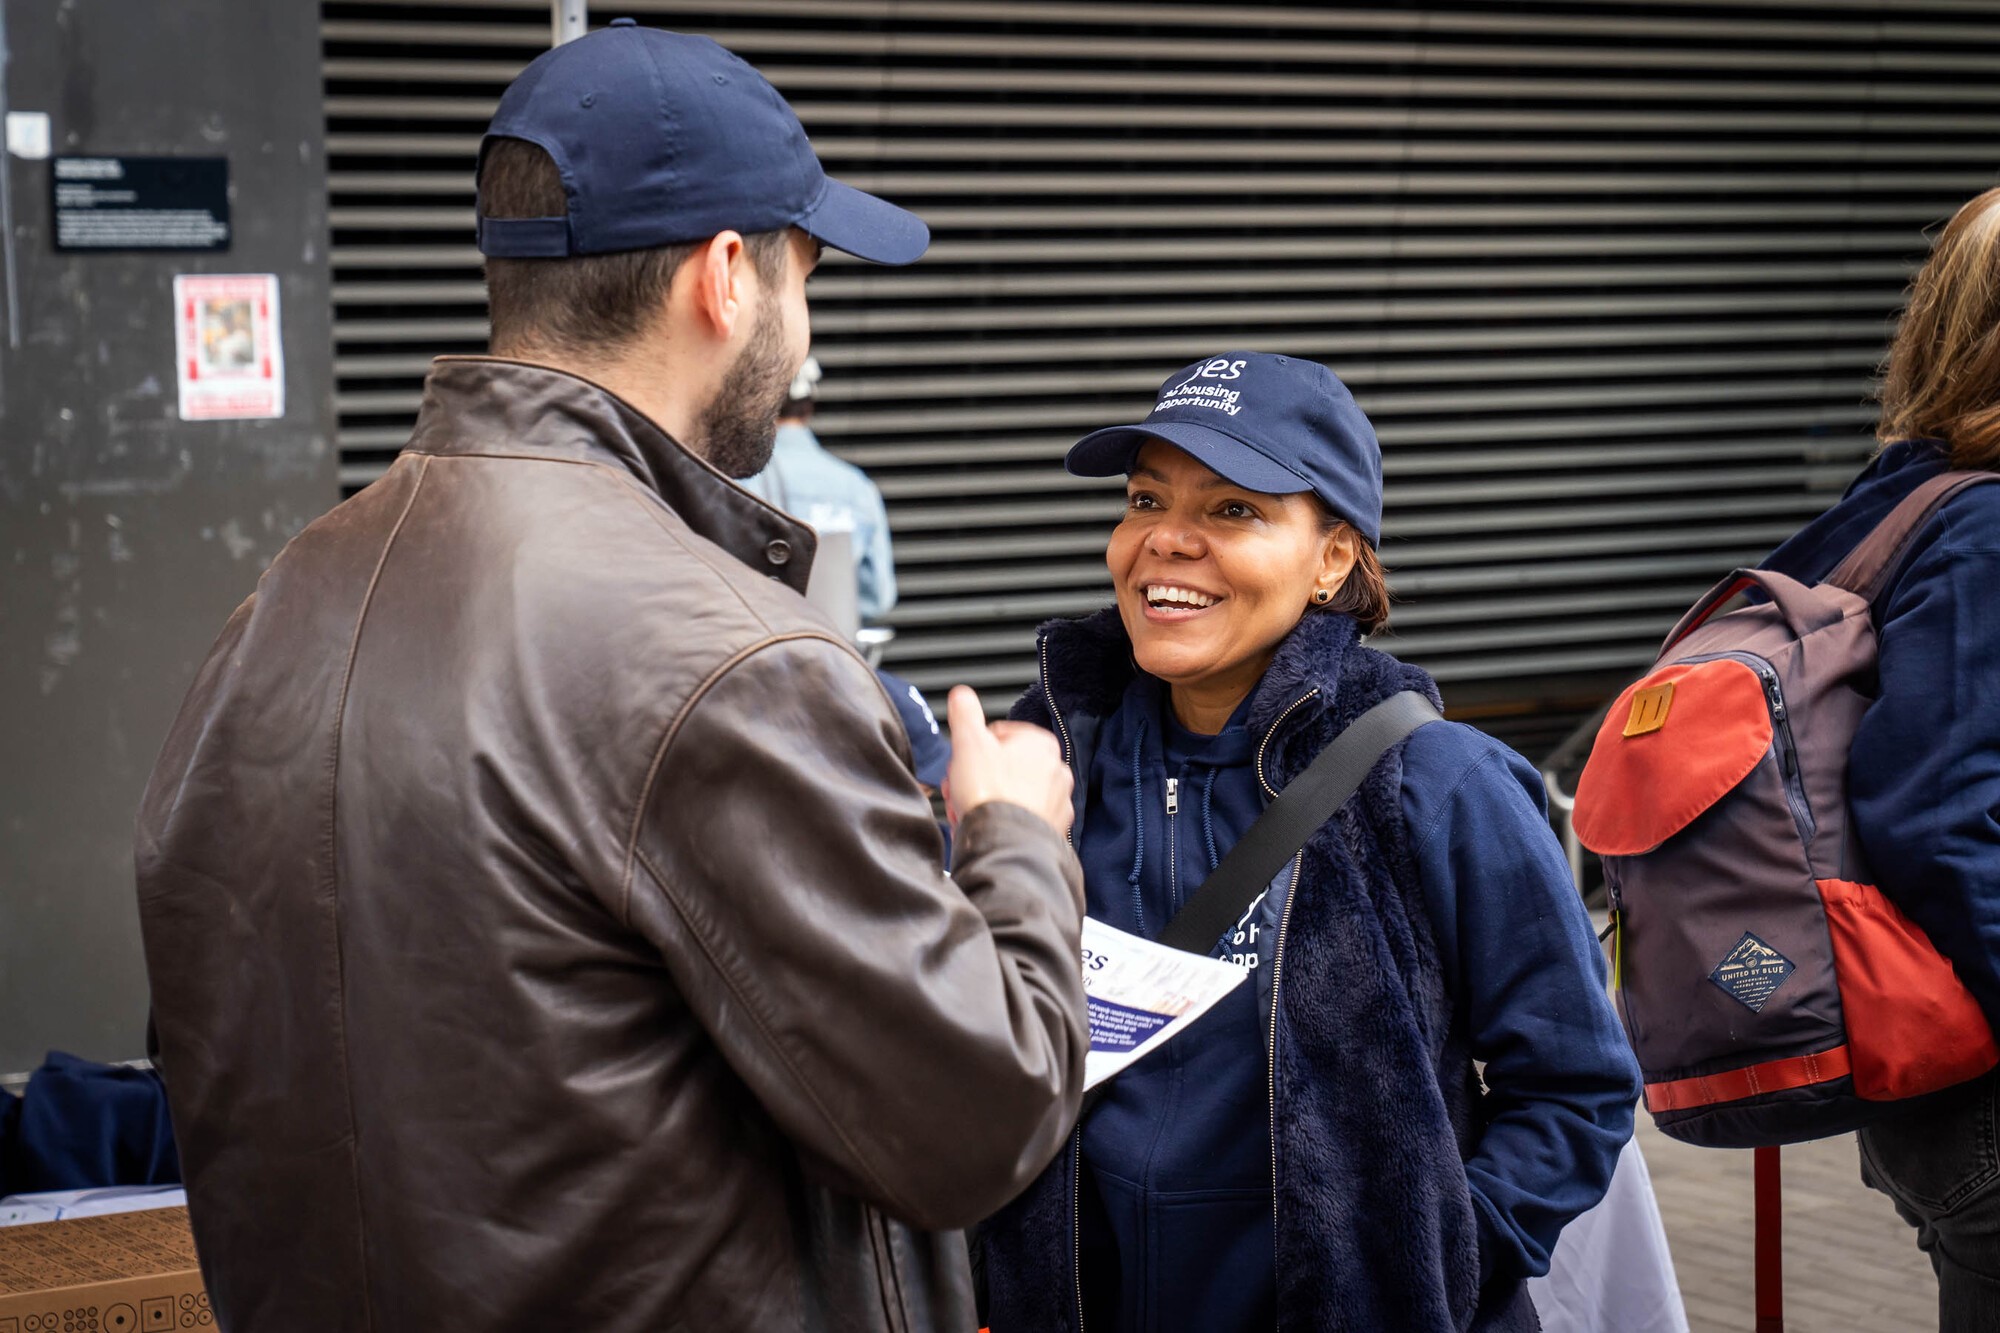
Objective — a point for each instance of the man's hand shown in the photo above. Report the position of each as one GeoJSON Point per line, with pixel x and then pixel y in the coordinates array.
{"type": "Point", "coordinates": [1008, 761]}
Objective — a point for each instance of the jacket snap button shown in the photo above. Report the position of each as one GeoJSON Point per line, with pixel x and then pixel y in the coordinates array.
{"type": "Point", "coordinates": [778, 552]}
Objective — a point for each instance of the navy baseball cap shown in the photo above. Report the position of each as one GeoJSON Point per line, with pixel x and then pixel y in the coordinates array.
{"type": "Point", "coordinates": [663, 138]}
{"type": "Point", "coordinates": [928, 745]}
{"type": "Point", "coordinates": [1276, 424]}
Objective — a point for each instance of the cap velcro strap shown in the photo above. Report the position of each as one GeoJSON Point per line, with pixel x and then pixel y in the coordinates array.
{"type": "Point", "coordinates": [524, 238]}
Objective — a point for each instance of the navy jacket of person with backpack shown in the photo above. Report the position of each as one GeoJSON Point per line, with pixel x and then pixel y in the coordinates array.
{"type": "Point", "coordinates": [1923, 791]}
{"type": "Point", "coordinates": [1924, 773]}
{"type": "Point", "coordinates": [1924, 766]}
{"type": "Point", "coordinates": [1317, 1151]}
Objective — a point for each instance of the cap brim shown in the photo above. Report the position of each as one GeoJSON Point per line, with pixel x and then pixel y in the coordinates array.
{"type": "Point", "coordinates": [866, 227]}
{"type": "Point", "coordinates": [932, 768]}
{"type": "Point", "coordinates": [1109, 453]}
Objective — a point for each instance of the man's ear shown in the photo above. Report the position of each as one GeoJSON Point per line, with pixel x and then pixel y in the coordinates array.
{"type": "Point", "coordinates": [717, 284]}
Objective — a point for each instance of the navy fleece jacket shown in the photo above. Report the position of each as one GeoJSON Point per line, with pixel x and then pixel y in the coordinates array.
{"type": "Point", "coordinates": [1384, 1139]}
{"type": "Point", "coordinates": [1924, 772]}
{"type": "Point", "coordinates": [1177, 1158]}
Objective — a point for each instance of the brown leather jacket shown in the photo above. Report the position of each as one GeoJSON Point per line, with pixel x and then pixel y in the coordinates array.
{"type": "Point", "coordinates": [546, 930]}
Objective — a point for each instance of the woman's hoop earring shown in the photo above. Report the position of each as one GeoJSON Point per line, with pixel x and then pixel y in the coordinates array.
{"type": "Point", "coordinates": [1322, 597]}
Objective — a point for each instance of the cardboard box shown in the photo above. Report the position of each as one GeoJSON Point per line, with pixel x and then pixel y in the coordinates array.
{"type": "Point", "coordinates": [122, 1273]}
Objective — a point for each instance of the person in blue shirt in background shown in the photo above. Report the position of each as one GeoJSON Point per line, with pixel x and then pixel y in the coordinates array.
{"type": "Point", "coordinates": [1924, 770]}
{"type": "Point", "coordinates": [829, 494]}
{"type": "Point", "coordinates": [1318, 1151]}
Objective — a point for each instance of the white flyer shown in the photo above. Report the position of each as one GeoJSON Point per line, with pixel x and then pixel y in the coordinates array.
{"type": "Point", "coordinates": [229, 357]}
{"type": "Point", "coordinates": [1141, 994]}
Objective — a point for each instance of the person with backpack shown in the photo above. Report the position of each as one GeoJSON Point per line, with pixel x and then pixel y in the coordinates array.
{"type": "Point", "coordinates": [1924, 768]}
{"type": "Point", "coordinates": [1317, 1151]}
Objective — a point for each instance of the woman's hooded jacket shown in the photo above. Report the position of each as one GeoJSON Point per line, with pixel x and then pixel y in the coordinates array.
{"type": "Point", "coordinates": [1376, 1101]}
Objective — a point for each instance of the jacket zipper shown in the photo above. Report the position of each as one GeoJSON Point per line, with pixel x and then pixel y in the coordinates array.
{"type": "Point", "coordinates": [1265, 744]}
{"type": "Point", "coordinates": [1076, 1135]}
{"type": "Point", "coordinates": [1076, 1220]}
{"type": "Point", "coordinates": [1278, 955]}
{"type": "Point", "coordinates": [1173, 843]}
{"type": "Point", "coordinates": [1063, 741]}
{"type": "Point", "coordinates": [1271, 1066]}
{"type": "Point", "coordinates": [1781, 730]}
{"type": "Point", "coordinates": [1049, 696]}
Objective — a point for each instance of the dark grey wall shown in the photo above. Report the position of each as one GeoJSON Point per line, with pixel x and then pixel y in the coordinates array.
{"type": "Point", "coordinates": [126, 534]}
{"type": "Point", "coordinates": [1611, 279]}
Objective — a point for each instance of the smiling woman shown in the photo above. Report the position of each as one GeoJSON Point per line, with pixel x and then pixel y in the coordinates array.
{"type": "Point", "coordinates": [1212, 576]}
{"type": "Point", "coordinates": [1317, 1150]}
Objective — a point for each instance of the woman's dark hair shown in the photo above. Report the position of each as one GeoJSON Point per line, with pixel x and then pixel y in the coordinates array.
{"type": "Point", "coordinates": [1365, 594]}
{"type": "Point", "coordinates": [583, 302]}
{"type": "Point", "coordinates": [1942, 378]}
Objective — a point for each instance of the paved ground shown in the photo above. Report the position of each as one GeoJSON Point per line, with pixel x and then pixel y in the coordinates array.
{"type": "Point", "coordinates": [1851, 1266]}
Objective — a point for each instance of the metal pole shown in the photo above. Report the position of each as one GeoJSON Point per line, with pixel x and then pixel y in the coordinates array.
{"type": "Point", "coordinates": [1563, 804]}
{"type": "Point", "coordinates": [571, 19]}
{"type": "Point", "coordinates": [1769, 1243]}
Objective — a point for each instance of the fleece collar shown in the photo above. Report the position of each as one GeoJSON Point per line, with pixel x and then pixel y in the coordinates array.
{"type": "Point", "coordinates": [1320, 678]}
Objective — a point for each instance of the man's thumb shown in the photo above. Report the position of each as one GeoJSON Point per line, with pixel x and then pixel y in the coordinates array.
{"type": "Point", "coordinates": [966, 718]}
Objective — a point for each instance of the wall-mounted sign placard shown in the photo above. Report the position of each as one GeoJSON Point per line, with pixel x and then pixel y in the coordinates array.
{"type": "Point", "coordinates": [141, 203]}
{"type": "Point", "coordinates": [229, 359]}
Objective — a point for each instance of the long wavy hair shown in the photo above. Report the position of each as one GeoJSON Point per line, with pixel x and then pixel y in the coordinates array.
{"type": "Point", "coordinates": [1942, 377]}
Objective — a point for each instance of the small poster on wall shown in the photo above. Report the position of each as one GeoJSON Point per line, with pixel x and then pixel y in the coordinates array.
{"type": "Point", "coordinates": [229, 358]}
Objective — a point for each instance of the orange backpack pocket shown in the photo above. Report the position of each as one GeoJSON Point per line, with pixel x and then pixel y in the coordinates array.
{"type": "Point", "coordinates": [1912, 1027]}
{"type": "Point", "coordinates": [1674, 743]}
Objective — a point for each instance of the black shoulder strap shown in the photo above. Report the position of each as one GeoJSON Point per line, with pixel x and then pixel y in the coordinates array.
{"type": "Point", "coordinates": [1306, 803]}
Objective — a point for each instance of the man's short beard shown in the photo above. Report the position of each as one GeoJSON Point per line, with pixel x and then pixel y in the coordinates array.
{"type": "Point", "coordinates": [739, 426]}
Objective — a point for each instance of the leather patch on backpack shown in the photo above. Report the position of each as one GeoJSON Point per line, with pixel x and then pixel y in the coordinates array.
{"type": "Point", "coordinates": [1650, 707]}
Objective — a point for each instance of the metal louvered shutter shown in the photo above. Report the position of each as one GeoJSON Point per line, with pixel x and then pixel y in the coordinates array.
{"type": "Point", "coordinates": [1610, 278]}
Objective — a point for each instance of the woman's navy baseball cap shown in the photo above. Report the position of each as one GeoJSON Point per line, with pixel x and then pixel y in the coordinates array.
{"type": "Point", "coordinates": [664, 138]}
{"type": "Point", "coordinates": [930, 749]}
{"type": "Point", "coordinates": [1276, 424]}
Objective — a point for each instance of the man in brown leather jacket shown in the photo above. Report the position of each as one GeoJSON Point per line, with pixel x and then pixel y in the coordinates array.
{"type": "Point", "coordinates": [545, 927]}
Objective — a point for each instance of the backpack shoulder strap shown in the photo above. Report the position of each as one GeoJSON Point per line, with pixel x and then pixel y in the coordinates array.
{"type": "Point", "coordinates": [1867, 568]}
{"type": "Point", "coordinates": [1307, 802]}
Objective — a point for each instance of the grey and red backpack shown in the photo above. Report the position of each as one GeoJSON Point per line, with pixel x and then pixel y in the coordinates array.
{"type": "Point", "coordinates": [1771, 992]}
